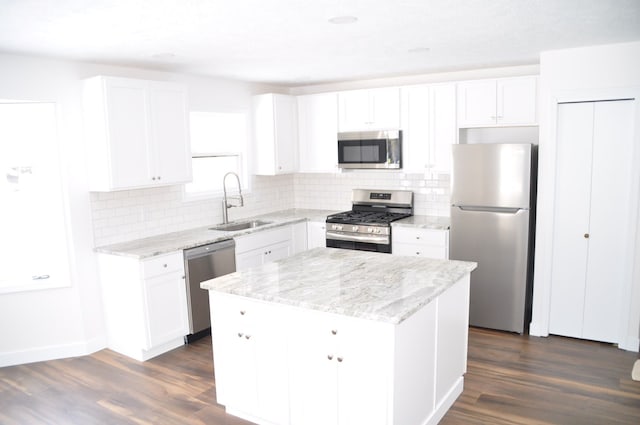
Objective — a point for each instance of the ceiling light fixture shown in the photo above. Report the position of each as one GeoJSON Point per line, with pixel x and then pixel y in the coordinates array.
{"type": "Point", "coordinates": [341, 20]}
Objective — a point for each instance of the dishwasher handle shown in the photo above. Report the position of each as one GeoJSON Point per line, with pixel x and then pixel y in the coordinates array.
{"type": "Point", "coordinates": [207, 249]}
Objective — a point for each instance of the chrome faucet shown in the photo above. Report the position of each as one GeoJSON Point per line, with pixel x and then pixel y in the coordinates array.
{"type": "Point", "coordinates": [225, 202]}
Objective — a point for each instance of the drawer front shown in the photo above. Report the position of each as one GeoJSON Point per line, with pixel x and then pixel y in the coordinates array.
{"type": "Point", "coordinates": [416, 250]}
{"type": "Point", "coordinates": [262, 238]}
{"type": "Point", "coordinates": [163, 264]}
{"type": "Point", "coordinates": [419, 236]}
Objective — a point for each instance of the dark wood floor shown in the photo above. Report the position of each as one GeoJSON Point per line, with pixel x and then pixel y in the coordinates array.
{"type": "Point", "coordinates": [511, 379]}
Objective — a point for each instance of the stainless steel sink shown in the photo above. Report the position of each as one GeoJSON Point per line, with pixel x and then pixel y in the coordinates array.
{"type": "Point", "coordinates": [239, 225]}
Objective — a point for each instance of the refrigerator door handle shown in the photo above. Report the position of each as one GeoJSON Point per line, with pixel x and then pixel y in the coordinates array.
{"type": "Point", "coordinates": [491, 209]}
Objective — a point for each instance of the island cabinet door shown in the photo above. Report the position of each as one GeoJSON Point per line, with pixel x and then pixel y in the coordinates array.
{"type": "Point", "coordinates": [339, 370]}
{"type": "Point", "coordinates": [250, 358]}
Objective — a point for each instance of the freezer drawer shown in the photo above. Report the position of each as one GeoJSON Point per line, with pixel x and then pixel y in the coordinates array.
{"type": "Point", "coordinates": [499, 243]}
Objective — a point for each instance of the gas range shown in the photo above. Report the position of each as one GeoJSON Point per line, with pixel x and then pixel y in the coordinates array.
{"type": "Point", "coordinates": [367, 226]}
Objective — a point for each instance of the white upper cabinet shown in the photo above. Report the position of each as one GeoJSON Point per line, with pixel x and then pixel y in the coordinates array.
{"type": "Point", "coordinates": [371, 109]}
{"type": "Point", "coordinates": [275, 134]}
{"type": "Point", "coordinates": [498, 102]}
{"type": "Point", "coordinates": [137, 133]}
{"type": "Point", "coordinates": [429, 126]}
{"type": "Point", "coordinates": [318, 133]}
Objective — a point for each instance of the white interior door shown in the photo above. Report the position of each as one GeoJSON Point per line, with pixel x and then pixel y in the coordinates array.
{"type": "Point", "coordinates": [593, 217]}
{"type": "Point", "coordinates": [608, 267]}
{"type": "Point", "coordinates": [571, 218]}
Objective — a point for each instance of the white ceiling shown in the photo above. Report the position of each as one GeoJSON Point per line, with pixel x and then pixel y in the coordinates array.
{"type": "Point", "coordinates": [291, 42]}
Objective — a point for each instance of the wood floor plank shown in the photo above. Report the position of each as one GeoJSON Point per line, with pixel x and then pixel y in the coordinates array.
{"type": "Point", "coordinates": [511, 379]}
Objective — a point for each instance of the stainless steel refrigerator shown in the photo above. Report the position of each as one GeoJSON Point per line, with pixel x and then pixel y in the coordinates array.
{"type": "Point", "coordinates": [492, 223]}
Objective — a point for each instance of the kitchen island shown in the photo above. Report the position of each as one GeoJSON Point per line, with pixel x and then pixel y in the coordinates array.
{"type": "Point", "coordinates": [332, 336]}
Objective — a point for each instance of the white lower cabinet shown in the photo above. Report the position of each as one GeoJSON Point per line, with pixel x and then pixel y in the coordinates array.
{"type": "Point", "coordinates": [348, 361]}
{"type": "Point", "coordinates": [145, 304]}
{"type": "Point", "coordinates": [250, 359]}
{"type": "Point", "coordinates": [316, 234]}
{"type": "Point", "coordinates": [262, 247]}
{"type": "Point", "coordinates": [413, 241]}
{"type": "Point", "coordinates": [284, 365]}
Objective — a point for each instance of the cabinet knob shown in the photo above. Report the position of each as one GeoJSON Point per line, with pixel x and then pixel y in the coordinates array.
{"type": "Point", "coordinates": [417, 252]}
{"type": "Point", "coordinates": [417, 237]}
{"type": "Point", "coordinates": [242, 312]}
{"type": "Point", "coordinates": [334, 331]}
{"type": "Point", "coordinates": [586, 236]}
{"type": "Point", "coordinates": [340, 359]}
{"type": "Point", "coordinates": [330, 356]}
{"type": "Point", "coordinates": [164, 265]}
{"type": "Point", "coordinates": [240, 334]}
{"type": "Point", "coordinates": [153, 178]}
{"type": "Point", "coordinates": [247, 337]}
{"type": "Point", "coordinates": [159, 177]}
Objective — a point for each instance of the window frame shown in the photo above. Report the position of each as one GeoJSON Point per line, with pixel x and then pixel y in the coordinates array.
{"type": "Point", "coordinates": [240, 153]}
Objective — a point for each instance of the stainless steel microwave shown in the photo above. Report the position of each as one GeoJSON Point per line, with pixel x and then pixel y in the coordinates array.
{"type": "Point", "coordinates": [370, 149]}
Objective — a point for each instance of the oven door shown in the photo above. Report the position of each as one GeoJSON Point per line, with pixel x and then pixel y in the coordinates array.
{"type": "Point", "coordinates": [358, 242]}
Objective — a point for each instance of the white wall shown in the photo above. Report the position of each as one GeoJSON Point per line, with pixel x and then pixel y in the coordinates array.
{"type": "Point", "coordinates": [67, 321]}
{"type": "Point", "coordinates": [588, 71]}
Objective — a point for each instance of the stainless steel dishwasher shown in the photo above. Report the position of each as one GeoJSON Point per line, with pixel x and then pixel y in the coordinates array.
{"type": "Point", "coordinates": [203, 263]}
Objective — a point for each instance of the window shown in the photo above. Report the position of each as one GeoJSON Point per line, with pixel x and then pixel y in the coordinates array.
{"type": "Point", "coordinates": [33, 242]}
{"type": "Point", "coordinates": [218, 145]}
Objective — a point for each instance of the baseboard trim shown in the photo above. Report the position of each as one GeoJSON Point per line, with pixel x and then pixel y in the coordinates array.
{"type": "Point", "coordinates": [52, 352]}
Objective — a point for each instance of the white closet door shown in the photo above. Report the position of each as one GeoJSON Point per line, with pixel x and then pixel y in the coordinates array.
{"type": "Point", "coordinates": [609, 257]}
{"type": "Point", "coordinates": [571, 218]}
{"type": "Point", "coordinates": [591, 244]}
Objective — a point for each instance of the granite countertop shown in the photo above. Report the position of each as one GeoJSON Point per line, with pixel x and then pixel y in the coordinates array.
{"type": "Point", "coordinates": [175, 241]}
{"type": "Point", "coordinates": [375, 286]}
{"type": "Point", "coordinates": [424, 222]}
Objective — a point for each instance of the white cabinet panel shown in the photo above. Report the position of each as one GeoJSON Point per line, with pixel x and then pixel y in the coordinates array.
{"type": "Point", "coordinates": [318, 133]}
{"type": "Point", "coordinates": [429, 126]}
{"type": "Point", "coordinates": [165, 308]}
{"type": "Point", "coordinates": [275, 134]}
{"type": "Point", "coordinates": [592, 262]}
{"type": "Point", "coordinates": [316, 234]}
{"type": "Point", "coordinates": [430, 243]}
{"type": "Point", "coordinates": [250, 357]}
{"type": "Point", "coordinates": [264, 246]}
{"type": "Point", "coordinates": [145, 303]}
{"type": "Point", "coordinates": [372, 109]}
{"type": "Point", "coordinates": [347, 361]}
{"type": "Point", "coordinates": [137, 133]}
{"type": "Point", "coordinates": [498, 102]}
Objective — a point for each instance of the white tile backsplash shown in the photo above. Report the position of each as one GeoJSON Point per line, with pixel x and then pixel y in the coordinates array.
{"type": "Point", "coordinates": [133, 214]}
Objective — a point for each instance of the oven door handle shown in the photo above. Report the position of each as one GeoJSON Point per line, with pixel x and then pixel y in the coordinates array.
{"type": "Point", "coordinates": [383, 239]}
